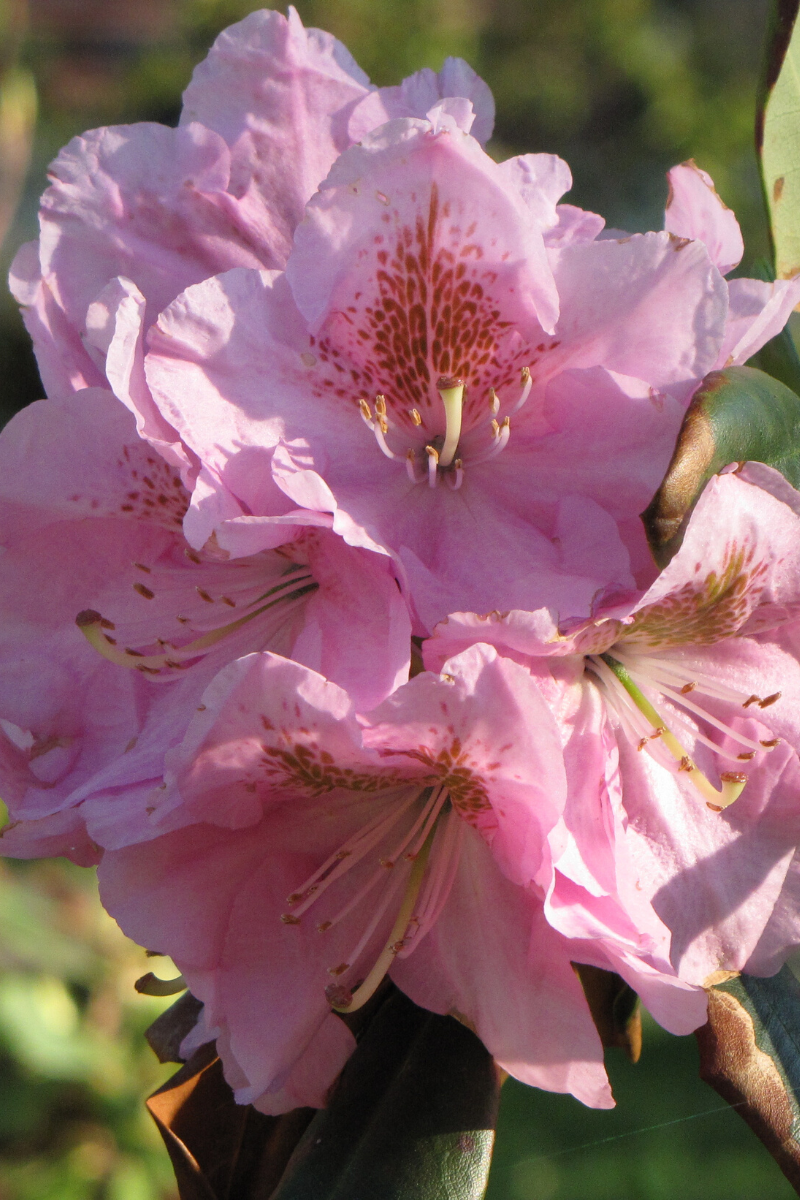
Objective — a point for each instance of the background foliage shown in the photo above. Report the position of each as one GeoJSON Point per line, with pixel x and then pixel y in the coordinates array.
{"type": "Point", "coordinates": [622, 89]}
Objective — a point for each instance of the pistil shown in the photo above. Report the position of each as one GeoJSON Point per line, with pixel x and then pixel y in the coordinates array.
{"type": "Point", "coordinates": [451, 391]}
{"type": "Point", "coordinates": [93, 625]}
{"type": "Point", "coordinates": [733, 782]}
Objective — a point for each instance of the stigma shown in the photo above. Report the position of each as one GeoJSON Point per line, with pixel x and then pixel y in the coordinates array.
{"type": "Point", "coordinates": [623, 674]}
{"type": "Point", "coordinates": [444, 443]}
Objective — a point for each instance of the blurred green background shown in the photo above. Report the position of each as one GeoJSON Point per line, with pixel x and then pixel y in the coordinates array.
{"type": "Point", "coordinates": [622, 89]}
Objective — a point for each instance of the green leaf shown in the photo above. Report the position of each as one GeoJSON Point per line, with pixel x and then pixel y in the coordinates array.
{"type": "Point", "coordinates": [737, 414]}
{"type": "Point", "coordinates": [750, 1053]}
{"type": "Point", "coordinates": [412, 1117]}
{"type": "Point", "coordinates": [778, 135]}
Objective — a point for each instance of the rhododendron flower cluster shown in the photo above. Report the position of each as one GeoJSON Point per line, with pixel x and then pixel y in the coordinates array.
{"type": "Point", "coordinates": [330, 630]}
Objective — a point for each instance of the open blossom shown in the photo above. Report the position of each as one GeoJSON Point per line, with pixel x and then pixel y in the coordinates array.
{"type": "Point", "coordinates": [305, 854]}
{"type": "Point", "coordinates": [681, 716]}
{"type": "Point", "coordinates": [136, 213]}
{"type": "Point", "coordinates": [91, 531]}
{"type": "Point", "coordinates": [491, 404]}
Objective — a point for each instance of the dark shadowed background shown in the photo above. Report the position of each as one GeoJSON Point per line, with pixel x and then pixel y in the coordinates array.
{"type": "Point", "coordinates": [622, 89]}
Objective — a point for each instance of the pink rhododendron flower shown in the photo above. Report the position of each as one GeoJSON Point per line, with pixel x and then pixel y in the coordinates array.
{"type": "Point", "coordinates": [264, 118]}
{"type": "Point", "coordinates": [91, 525]}
{"type": "Point", "coordinates": [673, 708]}
{"type": "Point", "coordinates": [448, 381]}
{"type": "Point", "coordinates": [312, 853]}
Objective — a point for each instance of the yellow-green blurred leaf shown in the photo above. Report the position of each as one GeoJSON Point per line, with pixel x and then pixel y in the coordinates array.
{"type": "Point", "coordinates": [778, 135]}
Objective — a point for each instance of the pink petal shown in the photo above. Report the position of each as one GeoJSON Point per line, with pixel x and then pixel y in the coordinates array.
{"type": "Point", "coordinates": [406, 177]}
{"type": "Point", "coordinates": [758, 311]}
{"type": "Point", "coordinates": [649, 306]}
{"type": "Point", "coordinates": [418, 94]}
{"type": "Point", "coordinates": [492, 961]}
{"type": "Point", "coordinates": [695, 211]}
{"type": "Point", "coordinates": [280, 96]}
{"type": "Point", "coordinates": [486, 719]}
{"type": "Point", "coordinates": [541, 179]}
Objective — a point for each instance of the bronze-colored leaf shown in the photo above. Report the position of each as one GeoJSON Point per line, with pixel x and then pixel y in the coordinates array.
{"type": "Point", "coordinates": [615, 1009]}
{"type": "Point", "coordinates": [221, 1150]}
{"type": "Point", "coordinates": [750, 1053]}
{"type": "Point", "coordinates": [169, 1029]}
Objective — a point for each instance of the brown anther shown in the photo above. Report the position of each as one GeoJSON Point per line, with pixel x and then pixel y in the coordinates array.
{"type": "Point", "coordinates": [751, 700]}
{"type": "Point", "coordinates": [771, 743]}
{"type": "Point", "coordinates": [288, 919]}
{"type": "Point", "coordinates": [396, 947]}
{"type": "Point", "coordinates": [366, 411]}
{"type": "Point", "coordinates": [526, 374]}
{"type": "Point", "coordinates": [733, 777]}
{"type": "Point", "coordinates": [458, 463]}
{"type": "Point", "coordinates": [769, 700]}
{"type": "Point", "coordinates": [688, 687]}
{"type": "Point", "coordinates": [142, 567]}
{"type": "Point", "coordinates": [380, 406]}
{"type": "Point", "coordinates": [495, 428]}
{"type": "Point", "coordinates": [340, 970]}
{"type": "Point", "coordinates": [686, 764]}
{"type": "Point", "coordinates": [445, 382]}
{"type": "Point", "coordinates": [143, 591]}
{"type": "Point", "coordinates": [388, 863]}
{"type": "Point", "coordinates": [344, 854]}
{"type": "Point", "coordinates": [111, 641]}
{"type": "Point", "coordinates": [747, 757]}
{"type": "Point", "coordinates": [204, 595]}
{"type": "Point", "coordinates": [415, 416]}
{"type": "Point", "coordinates": [714, 807]}
{"type": "Point", "coordinates": [227, 600]}
{"type": "Point", "coordinates": [295, 898]}
{"type": "Point", "coordinates": [432, 452]}
{"type": "Point", "coordinates": [383, 424]}
{"type": "Point", "coordinates": [106, 624]}
{"type": "Point", "coordinates": [88, 617]}
{"type": "Point", "coordinates": [323, 925]}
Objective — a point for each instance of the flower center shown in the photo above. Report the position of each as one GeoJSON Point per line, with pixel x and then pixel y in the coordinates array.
{"type": "Point", "coordinates": [623, 673]}
{"type": "Point", "coordinates": [296, 583]}
{"type": "Point", "coordinates": [414, 851]}
{"type": "Point", "coordinates": [444, 453]}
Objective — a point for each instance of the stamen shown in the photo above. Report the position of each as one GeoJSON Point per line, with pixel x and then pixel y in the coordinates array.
{"type": "Point", "coordinates": [652, 670]}
{"type": "Point", "coordinates": [456, 476]}
{"type": "Point", "coordinates": [366, 411]}
{"type": "Point", "coordinates": [396, 938]}
{"type": "Point", "coordinates": [379, 429]}
{"type": "Point", "coordinates": [433, 463]}
{"type": "Point", "coordinates": [380, 410]}
{"type": "Point", "coordinates": [451, 391]}
{"type": "Point", "coordinates": [501, 433]}
{"type": "Point", "coordinates": [494, 402]}
{"type": "Point", "coordinates": [527, 384]}
{"type": "Point", "coordinates": [90, 624]}
{"type": "Point", "coordinates": [411, 467]}
{"type": "Point", "coordinates": [415, 416]}
{"type": "Point", "coordinates": [732, 782]}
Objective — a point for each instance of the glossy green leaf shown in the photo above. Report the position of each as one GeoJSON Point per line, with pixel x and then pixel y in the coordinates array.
{"type": "Point", "coordinates": [750, 1052]}
{"type": "Point", "coordinates": [737, 414]}
{"type": "Point", "coordinates": [778, 135]}
{"type": "Point", "coordinates": [412, 1117]}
